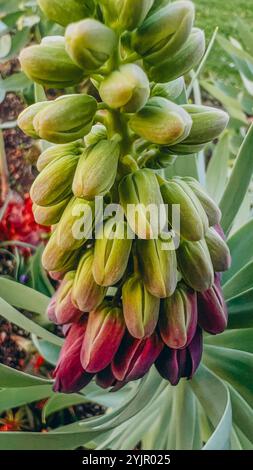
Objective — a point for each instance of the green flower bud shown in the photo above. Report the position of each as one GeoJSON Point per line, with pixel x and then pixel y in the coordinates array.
{"type": "Point", "coordinates": [69, 118]}
{"type": "Point", "coordinates": [195, 265]}
{"type": "Point", "coordinates": [126, 14]}
{"type": "Point", "coordinates": [142, 202]}
{"type": "Point", "coordinates": [57, 260]}
{"type": "Point", "coordinates": [49, 65]}
{"type": "Point", "coordinates": [171, 90]}
{"type": "Point", "coordinates": [86, 294]}
{"type": "Point", "coordinates": [182, 61]}
{"type": "Point", "coordinates": [140, 308]}
{"type": "Point", "coordinates": [49, 215]}
{"type": "Point", "coordinates": [55, 152]}
{"type": "Point", "coordinates": [96, 170]}
{"type": "Point", "coordinates": [207, 124]}
{"type": "Point", "coordinates": [77, 223]}
{"type": "Point", "coordinates": [158, 267]}
{"type": "Point", "coordinates": [66, 11]}
{"type": "Point", "coordinates": [97, 133]}
{"type": "Point", "coordinates": [90, 44]}
{"type": "Point", "coordinates": [219, 251]}
{"type": "Point", "coordinates": [126, 88]}
{"type": "Point", "coordinates": [25, 119]}
{"type": "Point", "coordinates": [193, 219]}
{"type": "Point", "coordinates": [53, 184]}
{"type": "Point", "coordinates": [164, 32]}
{"type": "Point", "coordinates": [184, 149]}
{"type": "Point", "coordinates": [212, 210]}
{"type": "Point", "coordinates": [161, 122]}
{"type": "Point", "coordinates": [111, 253]}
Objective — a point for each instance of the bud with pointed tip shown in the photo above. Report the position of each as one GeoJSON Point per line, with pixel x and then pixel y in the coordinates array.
{"type": "Point", "coordinates": [161, 122]}
{"type": "Point", "coordinates": [53, 184]}
{"type": "Point", "coordinates": [195, 265]}
{"type": "Point", "coordinates": [125, 14]}
{"type": "Point", "coordinates": [211, 209]}
{"type": "Point", "coordinates": [219, 251]}
{"type": "Point", "coordinates": [193, 219]}
{"type": "Point", "coordinates": [207, 124]}
{"type": "Point", "coordinates": [126, 89]}
{"type": "Point", "coordinates": [105, 378]}
{"type": "Point", "coordinates": [212, 309]}
{"type": "Point", "coordinates": [182, 61]}
{"type": "Point", "coordinates": [164, 32]}
{"type": "Point", "coordinates": [142, 202]}
{"type": "Point", "coordinates": [49, 65]}
{"type": "Point", "coordinates": [174, 364]}
{"type": "Point", "coordinates": [25, 119]}
{"type": "Point", "coordinates": [69, 374]}
{"type": "Point", "coordinates": [105, 330]}
{"type": "Point", "coordinates": [69, 118]}
{"type": "Point", "coordinates": [54, 152]}
{"type": "Point", "coordinates": [76, 224]}
{"type": "Point", "coordinates": [49, 215]}
{"type": "Point", "coordinates": [90, 44]}
{"type": "Point", "coordinates": [66, 11]}
{"type": "Point", "coordinates": [97, 133]}
{"type": "Point", "coordinates": [158, 267]}
{"type": "Point", "coordinates": [86, 293]}
{"type": "Point", "coordinates": [57, 260]}
{"type": "Point", "coordinates": [141, 309]}
{"type": "Point", "coordinates": [96, 170]}
{"type": "Point", "coordinates": [65, 311]}
{"type": "Point", "coordinates": [178, 318]}
{"type": "Point", "coordinates": [135, 357]}
{"type": "Point", "coordinates": [111, 255]}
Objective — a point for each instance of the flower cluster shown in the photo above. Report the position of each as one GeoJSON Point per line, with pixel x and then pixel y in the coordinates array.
{"type": "Point", "coordinates": [126, 302]}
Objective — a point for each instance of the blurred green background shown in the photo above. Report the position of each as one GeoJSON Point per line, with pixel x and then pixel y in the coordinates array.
{"type": "Point", "coordinates": [224, 14]}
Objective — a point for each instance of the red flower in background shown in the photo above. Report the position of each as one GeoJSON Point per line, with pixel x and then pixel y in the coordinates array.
{"type": "Point", "coordinates": [18, 222]}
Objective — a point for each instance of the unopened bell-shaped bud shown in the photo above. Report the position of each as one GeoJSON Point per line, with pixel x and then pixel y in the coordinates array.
{"type": "Point", "coordinates": [55, 152]}
{"type": "Point", "coordinates": [126, 88]}
{"type": "Point", "coordinates": [135, 357]}
{"type": "Point", "coordinates": [90, 44]}
{"type": "Point", "coordinates": [164, 32]}
{"type": "Point", "coordinates": [171, 90]}
{"type": "Point", "coordinates": [69, 118]}
{"type": "Point", "coordinates": [158, 266]}
{"type": "Point", "coordinates": [70, 377]}
{"type": "Point", "coordinates": [25, 119]}
{"type": "Point", "coordinates": [66, 11]}
{"type": "Point", "coordinates": [111, 255]}
{"type": "Point", "coordinates": [141, 309]}
{"type": "Point", "coordinates": [49, 65]}
{"type": "Point", "coordinates": [195, 265]}
{"type": "Point", "coordinates": [86, 293]}
{"type": "Point", "coordinates": [174, 364]}
{"type": "Point", "coordinates": [178, 318]}
{"type": "Point", "coordinates": [49, 215]}
{"type": "Point", "coordinates": [211, 209]}
{"type": "Point", "coordinates": [182, 61]}
{"type": "Point", "coordinates": [125, 14]}
{"type": "Point", "coordinates": [105, 330]}
{"type": "Point", "coordinates": [142, 202]}
{"type": "Point", "coordinates": [219, 251]}
{"type": "Point", "coordinates": [207, 123]}
{"type": "Point", "coordinates": [161, 122]}
{"type": "Point", "coordinates": [193, 219]}
{"type": "Point", "coordinates": [212, 309]}
{"type": "Point", "coordinates": [56, 260]}
{"type": "Point", "coordinates": [53, 184]}
{"type": "Point", "coordinates": [96, 170]}
{"type": "Point", "coordinates": [65, 310]}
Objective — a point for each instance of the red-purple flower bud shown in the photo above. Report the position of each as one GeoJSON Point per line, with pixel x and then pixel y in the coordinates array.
{"type": "Point", "coordinates": [69, 374]}
{"type": "Point", "coordinates": [105, 330]}
{"type": "Point", "coordinates": [212, 309]}
{"type": "Point", "coordinates": [174, 364]}
{"type": "Point", "coordinates": [135, 357]}
{"type": "Point", "coordinates": [178, 318]}
{"type": "Point", "coordinates": [105, 378]}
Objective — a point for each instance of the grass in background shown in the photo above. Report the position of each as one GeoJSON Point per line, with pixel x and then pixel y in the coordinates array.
{"type": "Point", "coordinates": [222, 13]}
